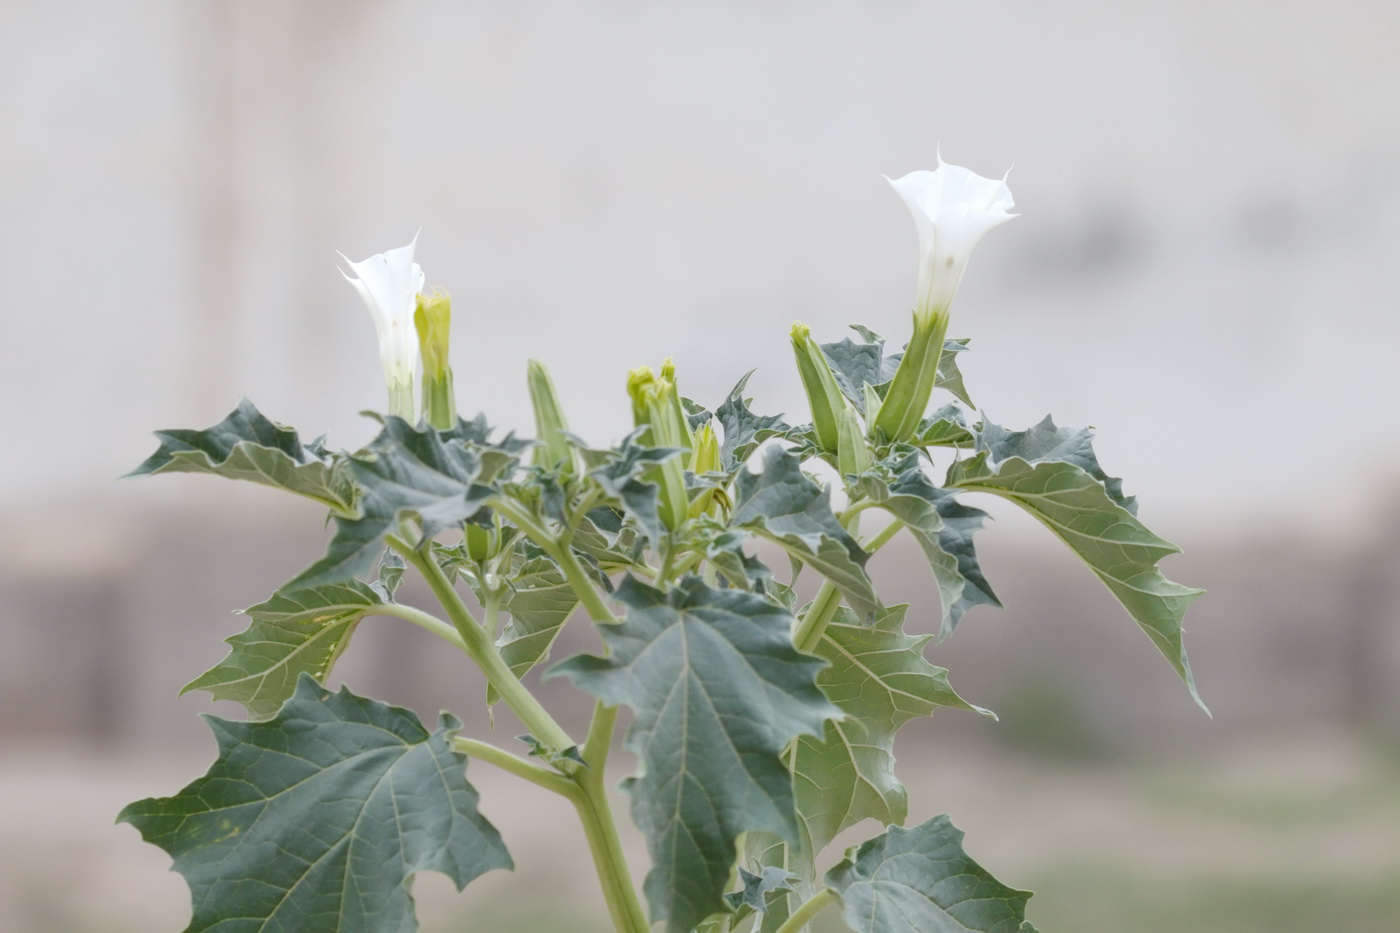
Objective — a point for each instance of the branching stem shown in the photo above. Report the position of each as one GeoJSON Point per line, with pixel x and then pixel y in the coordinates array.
{"type": "Point", "coordinates": [484, 751]}
{"type": "Point", "coordinates": [482, 650]}
{"type": "Point", "coordinates": [803, 915]}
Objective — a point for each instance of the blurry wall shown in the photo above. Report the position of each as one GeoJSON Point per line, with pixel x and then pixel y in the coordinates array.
{"type": "Point", "coordinates": [1204, 270]}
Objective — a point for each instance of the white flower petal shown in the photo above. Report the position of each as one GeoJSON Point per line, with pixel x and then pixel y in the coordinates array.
{"type": "Point", "coordinates": [389, 283]}
{"type": "Point", "coordinates": [953, 208]}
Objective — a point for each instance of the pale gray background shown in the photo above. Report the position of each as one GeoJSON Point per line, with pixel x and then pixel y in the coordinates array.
{"type": "Point", "coordinates": [1204, 270]}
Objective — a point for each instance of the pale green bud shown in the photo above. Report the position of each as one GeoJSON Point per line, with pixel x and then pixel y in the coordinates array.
{"type": "Point", "coordinates": [853, 456]}
{"type": "Point", "coordinates": [823, 395]}
{"type": "Point", "coordinates": [706, 459]}
{"type": "Point", "coordinates": [550, 426]}
{"type": "Point", "coordinates": [432, 318]}
{"type": "Point", "coordinates": [653, 409]}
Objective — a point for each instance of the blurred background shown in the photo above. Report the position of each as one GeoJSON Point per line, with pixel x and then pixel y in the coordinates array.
{"type": "Point", "coordinates": [1204, 269]}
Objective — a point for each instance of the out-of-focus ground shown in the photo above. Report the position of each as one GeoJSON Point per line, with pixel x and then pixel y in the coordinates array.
{"type": "Point", "coordinates": [1204, 269]}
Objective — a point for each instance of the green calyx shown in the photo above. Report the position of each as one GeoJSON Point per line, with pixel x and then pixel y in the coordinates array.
{"type": "Point", "coordinates": [912, 386]}
{"type": "Point", "coordinates": [823, 395]}
{"type": "Point", "coordinates": [657, 410]}
{"type": "Point", "coordinates": [432, 318]}
{"type": "Point", "coordinates": [550, 426]}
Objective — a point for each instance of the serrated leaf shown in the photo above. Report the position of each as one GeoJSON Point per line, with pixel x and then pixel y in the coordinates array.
{"type": "Point", "coordinates": [248, 446]}
{"type": "Point", "coordinates": [621, 477]}
{"type": "Point", "coordinates": [856, 365]}
{"type": "Point", "coordinates": [879, 678]}
{"type": "Point", "coordinates": [791, 509]}
{"type": "Point", "coordinates": [294, 632]}
{"type": "Point", "coordinates": [943, 528]}
{"type": "Point", "coordinates": [946, 427]}
{"type": "Point", "coordinates": [744, 430]}
{"type": "Point", "coordinates": [404, 471]}
{"type": "Point", "coordinates": [949, 376]}
{"type": "Point", "coordinates": [1086, 516]}
{"type": "Point", "coordinates": [718, 691]}
{"type": "Point", "coordinates": [317, 819]}
{"type": "Point", "coordinates": [768, 853]}
{"type": "Point", "coordinates": [1048, 441]}
{"type": "Point", "coordinates": [919, 880]}
{"type": "Point", "coordinates": [758, 889]}
{"type": "Point", "coordinates": [539, 602]}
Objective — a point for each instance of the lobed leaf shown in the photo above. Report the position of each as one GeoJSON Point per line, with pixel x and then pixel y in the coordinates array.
{"type": "Point", "coordinates": [943, 527]}
{"type": "Point", "coordinates": [791, 509]}
{"type": "Point", "coordinates": [718, 691]}
{"type": "Point", "coordinates": [879, 678]}
{"type": "Point", "coordinates": [248, 446]}
{"type": "Point", "coordinates": [744, 430]}
{"type": "Point", "coordinates": [317, 819]}
{"type": "Point", "coordinates": [539, 602]}
{"type": "Point", "coordinates": [299, 631]}
{"type": "Point", "coordinates": [919, 880]}
{"type": "Point", "coordinates": [1095, 521]}
{"type": "Point", "coordinates": [406, 471]}
{"type": "Point", "coordinates": [622, 475]}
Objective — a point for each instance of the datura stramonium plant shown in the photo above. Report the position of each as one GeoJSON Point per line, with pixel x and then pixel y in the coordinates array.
{"type": "Point", "coordinates": [764, 702]}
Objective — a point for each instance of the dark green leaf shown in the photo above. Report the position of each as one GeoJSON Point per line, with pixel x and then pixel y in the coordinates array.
{"type": "Point", "coordinates": [1119, 549]}
{"type": "Point", "coordinates": [879, 678]}
{"type": "Point", "coordinates": [718, 692]}
{"type": "Point", "coordinates": [788, 507]}
{"type": "Point", "coordinates": [248, 446]}
{"type": "Point", "coordinates": [856, 365]}
{"type": "Point", "coordinates": [744, 430]}
{"type": "Point", "coordinates": [621, 477]}
{"type": "Point", "coordinates": [942, 526]}
{"type": "Point", "coordinates": [404, 472]}
{"type": "Point", "coordinates": [758, 889]}
{"type": "Point", "coordinates": [919, 880]}
{"type": "Point", "coordinates": [316, 820]}
{"type": "Point", "coordinates": [295, 632]}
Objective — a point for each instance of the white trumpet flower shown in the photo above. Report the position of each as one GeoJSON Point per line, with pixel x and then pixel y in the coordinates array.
{"type": "Point", "coordinates": [953, 208]}
{"type": "Point", "coordinates": [389, 283]}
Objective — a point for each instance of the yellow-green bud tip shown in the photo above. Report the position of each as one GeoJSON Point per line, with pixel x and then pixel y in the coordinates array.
{"type": "Point", "coordinates": [801, 333]}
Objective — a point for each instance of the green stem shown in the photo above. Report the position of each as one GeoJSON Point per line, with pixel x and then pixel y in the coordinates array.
{"type": "Point", "coordinates": [483, 651]}
{"type": "Point", "coordinates": [574, 573]}
{"type": "Point", "coordinates": [813, 625]}
{"type": "Point", "coordinates": [484, 751]}
{"type": "Point", "coordinates": [803, 915]}
{"type": "Point", "coordinates": [600, 828]}
{"type": "Point", "coordinates": [423, 620]}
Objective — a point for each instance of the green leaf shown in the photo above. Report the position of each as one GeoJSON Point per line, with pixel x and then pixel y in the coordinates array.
{"type": "Point", "coordinates": [404, 472]}
{"type": "Point", "coordinates": [946, 427]}
{"type": "Point", "coordinates": [621, 477]}
{"type": "Point", "coordinates": [919, 880]}
{"type": "Point", "coordinates": [758, 890]}
{"type": "Point", "coordinates": [539, 602]}
{"type": "Point", "coordinates": [791, 509]}
{"type": "Point", "coordinates": [744, 430]}
{"type": "Point", "coordinates": [317, 819]}
{"type": "Point", "coordinates": [718, 691]}
{"type": "Point", "coordinates": [856, 365]}
{"type": "Point", "coordinates": [1047, 441]}
{"type": "Point", "coordinates": [248, 446]}
{"type": "Point", "coordinates": [943, 527]}
{"type": "Point", "coordinates": [949, 376]}
{"type": "Point", "coordinates": [295, 632]}
{"type": "Point", "coordinates": [1095, 523]}
{"type": "Point", "coordinates": [879, 678]}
